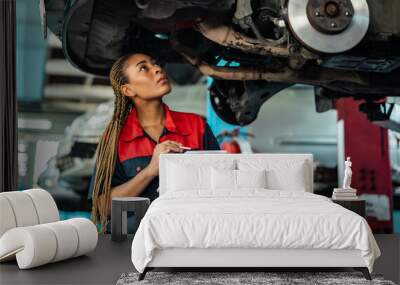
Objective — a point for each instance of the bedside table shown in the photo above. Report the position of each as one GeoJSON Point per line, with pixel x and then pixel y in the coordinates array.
{"type": "Point", "coordinates": [120, 206]}
{"type": "Point", "coordinates": [357, 206]}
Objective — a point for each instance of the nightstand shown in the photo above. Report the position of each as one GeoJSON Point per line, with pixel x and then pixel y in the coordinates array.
{"type": "Point", "coordinates": [120, 206]}
{"type": "Point", "coordinates": [357, 206]}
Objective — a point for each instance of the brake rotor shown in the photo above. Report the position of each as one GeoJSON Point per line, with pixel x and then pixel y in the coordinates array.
{"type": "Point", "coordinates": [329, 26]}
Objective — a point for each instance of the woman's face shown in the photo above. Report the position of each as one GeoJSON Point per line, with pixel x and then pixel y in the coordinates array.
{"type": "Point", "coordinates": [147, 79]}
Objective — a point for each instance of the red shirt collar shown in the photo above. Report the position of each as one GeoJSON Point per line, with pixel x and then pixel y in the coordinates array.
{"type": "Point", "coordinates": [132, 128]}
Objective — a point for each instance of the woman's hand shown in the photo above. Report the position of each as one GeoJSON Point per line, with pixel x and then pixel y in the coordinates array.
{"type": "Point", "coordinates": [164, 147]}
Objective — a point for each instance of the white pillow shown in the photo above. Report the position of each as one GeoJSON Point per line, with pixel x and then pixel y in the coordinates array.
{"type": "Point", "coordinates": [223, 179]}
{"type": "Point", "coordinates": [186, 175]}
{"type": "Point", "coordinates": [281, 174]}
{"type": "Point", "coordinates": [251, 178]}
{"type": "Point", "coordinates": [183, 177]}
{"type": "Point", "coordinates": [235, 179]}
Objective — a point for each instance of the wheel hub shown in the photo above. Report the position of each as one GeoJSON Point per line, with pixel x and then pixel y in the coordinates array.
{"type": "Point", "coordinates": [328, 26]}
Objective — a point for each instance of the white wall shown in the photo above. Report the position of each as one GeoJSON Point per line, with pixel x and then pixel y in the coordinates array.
{"type": "Point", "coordinates": [288, 122]}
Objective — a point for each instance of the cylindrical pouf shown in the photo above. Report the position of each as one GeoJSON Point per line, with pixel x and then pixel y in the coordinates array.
{"type": "Point", "coordinates": [23, 208]}
{"type": "Point", "coordinates": [7, 218]}
{"type": "Point", "coordinates": [45, 205]}
{"type": "Point", "coordinates": [67, 240]}
{"type": "Point", "coordinates": [87, 235]}
{"type": "Point", "coordinates": [33, 246]}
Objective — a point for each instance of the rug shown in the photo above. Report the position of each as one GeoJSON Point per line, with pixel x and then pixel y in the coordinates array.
{"type": "Point", "coordinates": [243, 278]}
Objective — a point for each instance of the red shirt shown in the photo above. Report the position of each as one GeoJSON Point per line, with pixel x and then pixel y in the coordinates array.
{"type": "Point", "coordinates": [135, 147]}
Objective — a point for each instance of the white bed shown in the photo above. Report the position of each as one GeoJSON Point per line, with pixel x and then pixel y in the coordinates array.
{"type": "Point", "coordinates": [213, 224]}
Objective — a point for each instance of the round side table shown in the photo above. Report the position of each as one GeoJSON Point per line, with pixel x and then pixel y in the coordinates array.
{"type": "Point", "coordinates": [120, 206]}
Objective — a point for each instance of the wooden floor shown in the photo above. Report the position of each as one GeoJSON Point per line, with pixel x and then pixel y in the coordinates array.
{"type": "Point", "coordinates": [110, 260]}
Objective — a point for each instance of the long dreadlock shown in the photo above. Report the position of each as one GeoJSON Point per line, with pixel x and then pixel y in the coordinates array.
{"type": "Point", "coordinates": [107, 147]}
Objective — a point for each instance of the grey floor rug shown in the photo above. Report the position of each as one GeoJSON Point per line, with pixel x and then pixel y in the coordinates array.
{"type": "Point", "coordinates": [269, 278]}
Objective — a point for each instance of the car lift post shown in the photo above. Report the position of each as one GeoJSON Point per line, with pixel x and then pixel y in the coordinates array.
{"type": "Point", "coordinates": [368, 146]}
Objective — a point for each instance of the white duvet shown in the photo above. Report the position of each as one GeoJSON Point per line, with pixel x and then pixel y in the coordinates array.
{"type": "Point", "coordinates": [252, 218]}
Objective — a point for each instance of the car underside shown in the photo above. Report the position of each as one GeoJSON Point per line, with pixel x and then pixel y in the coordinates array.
{"type": "Point", "coordinates": [252, 49]}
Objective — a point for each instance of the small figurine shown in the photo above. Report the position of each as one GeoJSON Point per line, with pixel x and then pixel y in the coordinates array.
{"type": "Point", "coordinates": [347, 174]}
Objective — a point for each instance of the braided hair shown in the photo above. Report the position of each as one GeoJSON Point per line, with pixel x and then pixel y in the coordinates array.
{"type": "Point", "coordinates": [107, 147]}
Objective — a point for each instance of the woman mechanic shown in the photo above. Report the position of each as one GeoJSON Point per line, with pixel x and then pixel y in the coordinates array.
{"type": "Point", "coordinates": [142, 127]}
